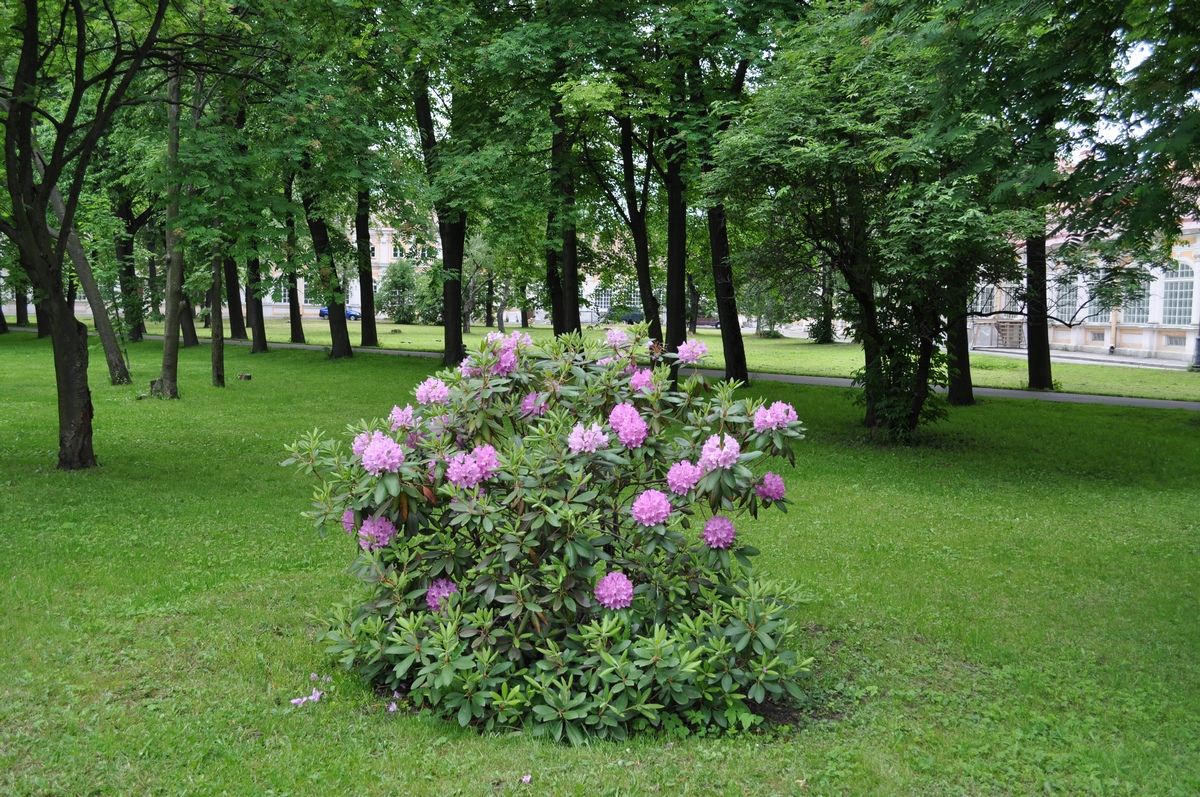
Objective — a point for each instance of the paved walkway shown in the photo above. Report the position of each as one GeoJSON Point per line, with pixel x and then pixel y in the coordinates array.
{"type": "Point", "coordinates": [828, 381]}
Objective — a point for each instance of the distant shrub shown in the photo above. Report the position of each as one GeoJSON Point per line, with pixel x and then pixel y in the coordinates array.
{"type": "Point", "coordinates": [548, 539]}
{"type": "Point", "coordinates": [398, 293]}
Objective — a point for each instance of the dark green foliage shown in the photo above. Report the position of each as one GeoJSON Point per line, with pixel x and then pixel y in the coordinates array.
{"type": "Point", "coordinates": [397, 296]}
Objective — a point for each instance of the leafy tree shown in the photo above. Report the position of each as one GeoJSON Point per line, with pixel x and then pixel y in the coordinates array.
{"type": "Point", "coordinates": [398, 292]}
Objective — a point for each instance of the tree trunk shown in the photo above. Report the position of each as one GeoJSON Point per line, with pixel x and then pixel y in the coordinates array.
{"type": "Point", "coordinates": [43, 321]}
{"type": "Point", "coordinates": [920, 387]}
{"type": "Point", "coordinates": [676, 249]}
{"type": "Point", "coordinates": [167, 384]}
{"type": "Point", "coordinates": [505, 289]}
{"type": "Point", "coordinates": [563, 194]}
{"type": "Point", "coordinates": [524, 318]}
{"type": "Point", "coordinates": [218, 321]}
{"type": "Point", "coordinates": [960, 392]}
{"type": "Point", "coordinates": [489, 299]}
{"type": "Point", "coordinates": [3, 322]}
{"type": "Point", "coordinates": [132, 298]}
{"type": "Point", "coordinates": [693, 313]}
{"type": "Point", "coordinates": [553, 278]}
{"type": "Point", "coordinates": [187, 323]}
{"type": "Point", "coordinates": [470, 293]}
{"type": "Point", "coordinates": [335, 299]}
{"type": "Point", "coordinates": [205, 313]}
{"type": "Point", "coordinates": [75, 410]}
{"type": "Point", "coordinates": [295, 316]}
{"type": "Point", "coordinates": [237, 322]}
{"type": "Point", "coordinates": [22, 298]}
{"type": "Point", "coordinates": [366, 277]}
{"type": "Point", "coordinates": [254, 306]}
{"type": "Point", "coordinates": [1037, 323]}
{"type": "Point", "coordinates": [736, 367]}
{"type": "Point", "coordinates": [636, 209]}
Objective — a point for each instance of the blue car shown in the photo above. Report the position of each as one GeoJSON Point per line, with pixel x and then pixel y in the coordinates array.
{"type": "Point", "coordinates": [351, 315]}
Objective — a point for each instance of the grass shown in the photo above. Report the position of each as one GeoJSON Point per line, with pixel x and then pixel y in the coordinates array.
{"type": "Point", "coordinates": [800, 356]}
{"type": "Point", "coordinates": [1012, 607]}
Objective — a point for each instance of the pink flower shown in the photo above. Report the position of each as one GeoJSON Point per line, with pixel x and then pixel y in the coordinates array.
{"type": "Point", "coordinates": [631, 429]}
{"type": "Point", "coordinates": [315, 697]}
{"type": "Point", "coordinates": [432, 391]}
{"type": "Point", "coordinates": [772, 487]}
{"type": "Point", "coordinates": [718, 532]}
{"type": "Point", "coordinates": [360, 443]}
{"type": "Point", "coordinates": [439, 590]}
{"type": "Point", "coordinates": [690, 351]}
{"type": "Point", "coordinates": [588, 440]}
{"type": "Point", "coordinates": [718, 453]}
{"type": "Point", "coordinates": [382, 454]}
{"type": "Point", "coordinates": [403, 418]}
{"type": "Point", "coordinates": [376, 533]}
{"type": "Point", "coordinates": [642, 379]}
{"type": "Point", "coordinates": [615, 591]}
{"type": "Point", "coordinates": [616, 338]}
{"type": "Point", "coordinates": [683, 476]}
{"type": "Point", "coordinates": [463, 471]}
{"type": "Point", "coordinates": [606, 361]}
{"type": "Point", "coordinates": [465, 368]}
{"type": "Point", "coordinates": [348, 521]}
{"type": "Point", "coordinates": [526, 778]}
{"type": "Point", "coordinates": [486, 460]}
{"type": "Point", "coordinates": [651, 508]}
{"type": "Point", "coordinates": [392, 707]}
{"type": "Point", "coordinates": [779, 415]}
{"type": "Point", "coordinates": [506, 363]}
{"type": "Point", "coordinates": [534, 404]}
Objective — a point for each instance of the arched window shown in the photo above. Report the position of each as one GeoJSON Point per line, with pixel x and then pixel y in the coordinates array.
{"type": "Point", "coordinates": [1177, 296]}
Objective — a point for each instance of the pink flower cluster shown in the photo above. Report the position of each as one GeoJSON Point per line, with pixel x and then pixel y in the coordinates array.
{"type": "Point", "coordinates": [467, 470]}
{"type": "Point", "coordinates": [315, 697]}
{"type": "Point", "coordinates": [643, 380]}
{"type": "Point", "coordinates": [651, 508]}
{"type": "Point", "coordinates": [403, 418]}
{"type": "Point", "coordinates": [778, 416]}
{"type": "Point", "coordinates": [718, 453]}
{"type": "Point", "coordinates": [683, 476]}
{"type": "Point", "coordinates": [690, 351]}
{"type": "Point", "coordinates": [629, 425]}
{"type": "Point", "coordinates": [439, 590]}
{"type": "Point", "coordinates": [616, 338]}
{"type": "Point", "coordinates": [382, 454]}
{"type": "Point", "coordinates": [348, 521]}
{"type": "Point", "coordinates": [588, 439]}
{"type": "Point", "coordinates": [534, 404]}
{"type": "Point", "coordinates": [376, 533]}
{"type": "Point", "coordinates": [615, 591]}
{"type": "Point", "coordinates": [718, 532]}
{"type": "Point", "coordinates": [772, 487]}
{"type": "Point", "coordinates": [432, 391]}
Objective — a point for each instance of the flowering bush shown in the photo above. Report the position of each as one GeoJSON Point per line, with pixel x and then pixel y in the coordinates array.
{"type": "Point", "coordinates": [549, 540]}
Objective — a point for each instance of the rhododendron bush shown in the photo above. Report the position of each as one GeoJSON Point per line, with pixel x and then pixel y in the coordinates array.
{"type": "Point", "coordinates": [552, 537]}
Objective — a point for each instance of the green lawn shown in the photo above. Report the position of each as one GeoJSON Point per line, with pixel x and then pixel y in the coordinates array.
{"type": "Point", "coordinates": [799, 356]}
{"type": "Point", "coordinates": [1011, 608]}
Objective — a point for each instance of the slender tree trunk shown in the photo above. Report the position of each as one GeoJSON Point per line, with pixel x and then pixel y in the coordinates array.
{"type": "Point", "coordinates": [187, 323]}
{"type": "Point", "coordinates": [563, 194]}
{"type": "Point", "coordinates": [920, 386]}
{"type": "Point", "coordinates": [505, 289]}
{"type": "Point", "coordinates": [167, 384]}
{"type": "Point", "coordinates": [254, 306]}
{"type": "Point", "coordinates": [335, 299]}
{"type": "Point", "coordinates": [218, 322]}
{"type": "Point", "coordinates": [676, 248]}
{"type": "Point", "coordinates": [469, 295]}
{"type": "Point", "coordinates": [490, 299]}
{"type": "Point", "coordinates": [960, 392]}
{"type": "Point", "coordinates": [237, 322]}
{"type": "Point", "coordinates": [693, 313]}
{"type": "Point", "coordinates": [736, 367]}
{"type": "Point", "coordinates": [295, 316]}
{"type": "Point", "coordinates": [553, 278]}
{"type": "Point", "coordinates": [118, 374]}
{"type": "Point", "coordinates": [635, 206]}
{"type": "Point", "coordinates": [43, 321]}
{"type": "Point", "coordinates": [22, 315]}
{"type": "Point", "coordinates": [366, 277]}
{"type": "Point", "coordinates": [1040, 376]}
{"type": "Point", "coordinates": [132, 298]}
{"type": "Point", "coordinates": [205, 313]}
{"type": "Point", "coordinates": [75, 410]}
{"type": "Point", "coordinates": [524, 318]}
{"type": "Point", "coordinates": [3, 322]}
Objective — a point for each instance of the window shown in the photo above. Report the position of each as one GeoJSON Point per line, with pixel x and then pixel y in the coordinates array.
{"type": "Point", "coordinates": [1176, 340]}
{"type": "Point", "coordinates": [602, 300]}
{"type": "Point", "coordinates": [1098, 313]}
{"type": "Point", "coordinates": [985, 300]}
{"type": "Point", "coordinates": [1012, 302]}
{"type": "Point", "coordinates": [1097, 337]}
{"type": "Point", "coordinates": [1137, 311]}
{"type": "Point", "coordinates": [395, 251]}
{"type": "Point", "coordinates": [1177, 296]}
{"type": "Point", "coordinates": [1068, 303]}
{"type": "Point", "coordinates": [372, 251]}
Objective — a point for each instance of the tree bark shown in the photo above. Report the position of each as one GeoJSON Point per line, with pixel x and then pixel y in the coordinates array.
{"type": "Point", "coordinates": [1037, 322]}
{"type": "Point", "coordinates": [254, 306]}
{"type": "Point", "coordinates": [563, 194]}
{"type": "Point", "coordinates": [295, 316]}
{"type": "Point", "coordinates": [42, 320]}
{"type": "Point", "coordinates": [636, 208]}
{"type": "Point", "coordinates": [187, 323]}
{"type": "Point", "coordinates": [22, 298]}
{"type": "Point", "coordinates": [489, 300]}
{"type": "Point", "coordinates": [505, 290]}
{"type": "Point", "coordinates": [237, 322]}
{"type": "Point", "coordinates": [335, 299]}
{"type": "Point", "coordinates": [920, 386]}
{"type": "Point", "coordinates": [553, 277]}
{"type": "Point", "coordinates": [167, 384]}
{"type": "Point", "coordinates": [693, 312]}
{"type": "Point", "coordinates": [75, 410]}
{"type": "Point", "coordinates": [3, 322]}
{"type": "Point", "coordinates": [366, 277]}
{"type": "Point", "coordinates": [961, 391]}
{"type": "Point", "coordinates": [217, 321]}
{"type": "Point", "coordinates": [676, 248]}
{"type": "Point", "coordinates": [132, 294]}
{"type": "Point", "coordinates": [736, 367]}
